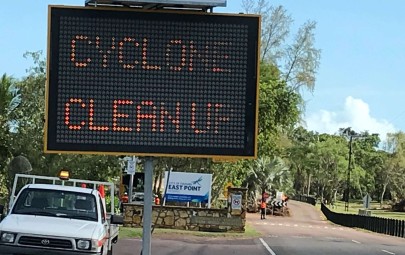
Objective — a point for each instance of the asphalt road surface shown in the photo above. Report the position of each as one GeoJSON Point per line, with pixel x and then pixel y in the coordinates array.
{"type": "Point", "coordinates": [306, 232]}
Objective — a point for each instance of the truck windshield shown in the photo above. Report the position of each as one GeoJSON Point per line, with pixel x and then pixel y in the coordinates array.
{"type": "Point", "coordinates": [56, 203]}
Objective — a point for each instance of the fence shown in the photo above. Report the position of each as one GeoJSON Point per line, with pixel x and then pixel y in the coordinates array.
{"type": "Point", "coordinates": [375, 224]}
{"type": "Point", "coordinates": [306, 199]}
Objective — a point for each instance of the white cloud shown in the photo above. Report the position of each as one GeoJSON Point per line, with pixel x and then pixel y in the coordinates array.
{"type": "Point", "coordinates": [355, 114]}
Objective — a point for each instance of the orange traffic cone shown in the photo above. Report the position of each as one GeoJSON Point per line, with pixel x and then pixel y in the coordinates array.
{"type": "Point", "coordinates": [102, 194]}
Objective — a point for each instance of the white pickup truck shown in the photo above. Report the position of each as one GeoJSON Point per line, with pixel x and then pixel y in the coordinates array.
{"type": "Point", "coordinates": [58, 218]}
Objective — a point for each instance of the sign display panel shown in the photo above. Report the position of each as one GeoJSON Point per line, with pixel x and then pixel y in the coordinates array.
{"type": "Point", "coordinates": [152, 83]}
{"type": "Point", "coordinates": [188, 187]}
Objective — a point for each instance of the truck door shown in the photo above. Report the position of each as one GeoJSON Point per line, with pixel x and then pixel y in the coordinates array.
{"type": "Point", "coordinates": [106, 242]}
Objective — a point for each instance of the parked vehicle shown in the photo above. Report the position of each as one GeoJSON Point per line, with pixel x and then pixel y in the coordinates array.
{"type": "Point", "coordinates": [58, 218]}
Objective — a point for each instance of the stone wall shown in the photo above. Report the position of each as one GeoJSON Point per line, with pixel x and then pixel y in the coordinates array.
{"type": "Point", "coordinates": [186, 218]}
{"type": "Point", "coordinates": [230, 219]}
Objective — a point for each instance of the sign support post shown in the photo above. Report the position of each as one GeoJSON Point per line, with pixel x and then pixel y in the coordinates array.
{"type": "Point", "coordinates": [131, 169]}
{"type": "Point", "coordinates": [147, 208]}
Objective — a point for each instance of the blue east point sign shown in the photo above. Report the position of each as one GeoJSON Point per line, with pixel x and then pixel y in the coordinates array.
{"type": "Point", "coordinates": [188, 187]}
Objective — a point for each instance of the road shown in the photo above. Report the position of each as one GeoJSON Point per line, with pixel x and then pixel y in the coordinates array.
{"type": "Point", "coordinates": [306, 232]}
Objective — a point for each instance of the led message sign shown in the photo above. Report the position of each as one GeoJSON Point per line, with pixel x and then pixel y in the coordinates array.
{"type": "Point", "coordinates": [151, 83]}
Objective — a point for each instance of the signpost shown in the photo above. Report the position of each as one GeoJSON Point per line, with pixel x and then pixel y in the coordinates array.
{"type": "Point", "coordinates": [366, 201]}
{"type": "Point", "coordinates": [131, 169]}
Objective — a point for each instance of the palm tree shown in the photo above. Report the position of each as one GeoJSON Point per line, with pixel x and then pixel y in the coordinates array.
{"type": "Point", "coordinates": [10, 99]}
{"type": "Point", "coordinates": [266, 173]}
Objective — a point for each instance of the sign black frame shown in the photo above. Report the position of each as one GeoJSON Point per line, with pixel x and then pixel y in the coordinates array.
{"type": "Point", "coordinates": [54, 91]}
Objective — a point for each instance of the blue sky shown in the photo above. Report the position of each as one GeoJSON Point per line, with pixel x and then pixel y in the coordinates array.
{"type": "Point", "coordinates": [359, 82]}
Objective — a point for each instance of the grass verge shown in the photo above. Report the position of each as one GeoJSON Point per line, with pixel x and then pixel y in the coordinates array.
{"type": "Point", "coordinates": [127, 232]}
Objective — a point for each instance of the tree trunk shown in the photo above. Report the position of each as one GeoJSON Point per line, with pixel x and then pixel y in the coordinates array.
{"type": "Point", "coordinates": [309, 184]}
{"type": "Point", "coordinates": [382, 194]}
{"type": "Point", "coordinates": [155, 183]}
{"type": "Point", "coordinates": [322, 188]}
{"type": "Point", "coordinates": [361, 191]}
{"type": "Point", "coordinates": [160, 182]}
{"type": "Point", "coordinates": [334, 196]}
{"type": "Point", "coordinates": [263, 191]}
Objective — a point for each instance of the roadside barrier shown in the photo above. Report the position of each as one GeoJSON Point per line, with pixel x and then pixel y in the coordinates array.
{"type": "Point", "coordinates": [306, 199]}
{"type": "Point", "coordinates": [375, 224]}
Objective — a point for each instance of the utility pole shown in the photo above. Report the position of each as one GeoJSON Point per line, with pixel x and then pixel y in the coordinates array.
{"type": "Point", "coordinates": [351, 134]}
{"type": "Point", "coordinates": [349, 170]}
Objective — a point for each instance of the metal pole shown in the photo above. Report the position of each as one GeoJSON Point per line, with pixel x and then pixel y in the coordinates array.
{"type": "Point", "coordinates": [131, 180]}
{"type": "Point", "coordinates": [348, 175]}
{"type": "Point", "coordinates": [167, 183]}
{"type": "Point", "coordinates": [147, 208]}
{"type": "Point", "coordinates": [131, 187]}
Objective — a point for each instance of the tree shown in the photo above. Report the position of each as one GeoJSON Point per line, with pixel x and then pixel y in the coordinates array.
{"type": "Point", "coordinates": [278, 110]}
{"type": "Point", "coordinates": [286, 66]}
{"type": "Point", "coordinates": [394, 172]}
{"type": "Point", "coordinates": [27, 138]}
{"type": "Point", "coordinates": [302, 157]}
{"type": "Point", "coordinates": [331, 151]}
{"type": "Point", "coordinates": [10, 99]}
{"type": "Point", "coordinates": [266, 174]}
{"type": "Point", "coordinates": [299, 60]}
{"type": "Point", "coordinates": [366, 156]}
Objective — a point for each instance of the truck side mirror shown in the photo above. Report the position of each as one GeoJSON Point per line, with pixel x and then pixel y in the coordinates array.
{"type": "Point", "coordinates": [117, 219]}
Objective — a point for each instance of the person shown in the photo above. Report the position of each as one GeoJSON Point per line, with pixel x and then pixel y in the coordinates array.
{"type": "Point", "coordinates": [263, 210]}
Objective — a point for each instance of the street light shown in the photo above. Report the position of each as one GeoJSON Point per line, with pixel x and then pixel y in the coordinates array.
{"type": "Point", "coordinates": [351, 134]}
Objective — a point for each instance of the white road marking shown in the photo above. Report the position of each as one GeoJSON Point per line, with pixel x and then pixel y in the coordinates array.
{"type": "Point", "coordinates": [354, 241]}
{"type": "Point", "coordinates": [302, 237]}
{"type": "Point", "coordinates": [297, 225]}
{"type": "Point", "coordinates": [388, 252]}
{"type": "Point", "coordinates": [267, 246]}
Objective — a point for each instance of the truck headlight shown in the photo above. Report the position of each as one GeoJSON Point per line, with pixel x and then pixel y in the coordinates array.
{"type": "Point", "coordinates": [83, 244]}
{"type": "Point", "coordinates": [7, 237]}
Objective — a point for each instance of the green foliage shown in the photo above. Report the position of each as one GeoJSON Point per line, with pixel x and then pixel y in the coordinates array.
{"type": "Point", "coordinates": [116, 204]}
{"type": "Point", "coordinates": [23, 104]}
{"type": "Point", "coordinates": [267, 174]}
{"type": "Point", "coordinates": [278, 110]}
{"type": "Point", "coordinates": [10, 100]}
{"type": "Point", "coordinates": [395, 165]}
{"type": "Point", "coordinates": [303, 158]}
